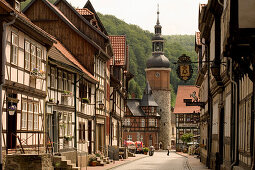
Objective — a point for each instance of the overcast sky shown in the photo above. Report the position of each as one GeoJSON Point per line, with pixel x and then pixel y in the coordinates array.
{"type": "Point", "coordinates": [176, 16]}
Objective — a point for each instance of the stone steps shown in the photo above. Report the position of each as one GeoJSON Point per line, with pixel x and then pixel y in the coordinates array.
{"type": "Point", "coordinates": [60, 162]}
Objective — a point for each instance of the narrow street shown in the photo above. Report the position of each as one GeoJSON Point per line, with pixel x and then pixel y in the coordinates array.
{"type": "Point", "coordinates": [159, 161]}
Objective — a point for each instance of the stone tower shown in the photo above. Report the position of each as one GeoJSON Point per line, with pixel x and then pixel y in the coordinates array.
{"type": "Point", "coordinates": [158, 76]}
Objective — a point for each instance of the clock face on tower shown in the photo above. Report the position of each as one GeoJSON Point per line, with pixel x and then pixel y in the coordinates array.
{"type": "Point", "coordinates": [157, 74]}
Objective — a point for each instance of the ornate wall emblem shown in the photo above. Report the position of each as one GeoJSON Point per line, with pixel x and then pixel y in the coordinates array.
{"type": "Point", "coordinates": [184, 69]}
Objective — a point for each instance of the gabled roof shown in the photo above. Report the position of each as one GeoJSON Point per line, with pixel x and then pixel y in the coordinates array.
{"type": "Point", "coordinates": [134, 107]}
{"type": "Point", "coordinates": [119, 49]}
{"type": "Point", "coordinates": [68, 22]}
{"type": "Point", "coordinates": [184, 92]}
{"type": "Point", "coordinates": [71, 58]}
{"type": "Point", "coordinates": [104, 34]}
{"type": "Point", "coordinates": [91, 8]}
{"type": "Point", "coordinates": [84, 11]}
{"type": "Point", "coordinates": [148, 99]}
{"type": "Point", "coordinates": [24, 20]}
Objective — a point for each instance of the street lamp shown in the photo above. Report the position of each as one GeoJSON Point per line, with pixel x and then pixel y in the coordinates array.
{"type": "Point", "coordinates": [101, 105]}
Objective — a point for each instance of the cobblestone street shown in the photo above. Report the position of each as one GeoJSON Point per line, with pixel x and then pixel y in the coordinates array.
{"type": "Point", "coordinates": [159, 161]}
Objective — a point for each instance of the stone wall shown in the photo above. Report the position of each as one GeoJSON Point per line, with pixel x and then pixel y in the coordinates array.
{"type": "Point", "coordinates": [163, 99]}
{"type": "Point", "coordinates": [28, 162]}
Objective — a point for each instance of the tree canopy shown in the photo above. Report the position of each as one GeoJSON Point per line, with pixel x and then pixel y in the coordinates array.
{"type": "Point", "coordinates": [140, 44]}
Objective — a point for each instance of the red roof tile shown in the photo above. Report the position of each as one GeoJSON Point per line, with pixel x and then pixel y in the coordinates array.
{"type": "Point", "coordinates": [184, 92]}
{"type": "Point", "coordinates": [69, 56]}
{"type": "Point", "coordinates": [119, 49]}
{"type": "Point", "coordinates": [84, 11]}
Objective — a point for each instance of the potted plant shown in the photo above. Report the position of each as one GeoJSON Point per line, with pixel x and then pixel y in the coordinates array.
{"type": "Point", "coordinates": [68, 138]}
{"type": "Point", "coordinates": [92, 160]}
{"type": "Point", "coordinates": [67, 93]}
{"type": "Point", "coordinates": [85, 100]}
{"type": "Point", "coordinates": [37, 73]}
{"type": "Point", "coordinates": [145, 150]}
{"type": "Point", "coordinates": [12, 109]}
{"type": "Point", "coordinates": [51, 100]}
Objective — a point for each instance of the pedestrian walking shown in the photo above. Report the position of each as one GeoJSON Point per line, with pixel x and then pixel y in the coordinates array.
{"type": "Point", "coordinates": [168, 150]}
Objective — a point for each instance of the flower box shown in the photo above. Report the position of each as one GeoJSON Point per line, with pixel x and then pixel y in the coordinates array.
{"type": "Point", "coordinates": [85, 100]}
{"type": "Point", "coordinates": [68, 138]}
{"type": "Point", "coordinates": [67, 93]}
{"type": "Point", "coordinates": [36, 73]}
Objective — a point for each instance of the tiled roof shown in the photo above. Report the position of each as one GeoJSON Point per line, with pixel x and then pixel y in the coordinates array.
{"type": "Point", "coordinates": [84, 11]}
{"type": "Point", "coordinates": [198, 40]}
{"type": "Point", "coordinates": [119, 49]}
{"type": "Point", "coordinates": [184, 92]}
{"type": "Point", "coordinates": [148, 99]}
{"type": "Point", "coordinates": [134, 107]}
{"type": "Point", "coordinates": [24, 19]}
{"type": "Point", "coordinates": [69, 56]}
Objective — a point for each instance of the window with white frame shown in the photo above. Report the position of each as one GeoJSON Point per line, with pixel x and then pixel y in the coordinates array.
{"type": "Point", "coordinates": [65, 81]}
{"type": "Point", "coordinates": [36, 116]}
{"type": "Point", "coordinates": [69, 130]}
{"type": "Point", "coordinates": [24, 116]}
{"type": "Point", "coordinates": [129, 137]}
{"type": "Point", "coordinates": [27, 55]}
{"type": "Point", "coordinates": [14, 48]}
{"type": "Point", "coordinates": [39, 59]}
{"type": "Point", "coordinates": [142, 123]}
{"type": "Point", "coordinates": [69, 84]}
{"type": "Point", "coordinates": [156, 123]}
{"type": "Point", "coordinates": [52, 77]}
{"type": "Point", "coordinates": [30, 116]}
{"type": "Point", "coordinates": [33, 57]}
{"type": "Point", "coordinates": [60, 80]}
{"type": "Point", "coordinates": [128, 122]}
{"type": "Point", "coordinates": [151, 122]}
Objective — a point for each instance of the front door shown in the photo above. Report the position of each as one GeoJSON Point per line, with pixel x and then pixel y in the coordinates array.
{"type": "Point", "coordinates": [90, 136]}
{"type": "Point", "coordinates": [11, 126]}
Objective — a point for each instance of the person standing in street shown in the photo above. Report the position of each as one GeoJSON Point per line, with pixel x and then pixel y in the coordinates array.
{"type": "Point", "coordinates": [168, 150]}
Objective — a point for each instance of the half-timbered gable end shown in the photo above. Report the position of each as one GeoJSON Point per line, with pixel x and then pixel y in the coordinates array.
{"type": "Point", "coordinates": [141, 121]}
{"type": "Point", "coordinates": [82, 24]}
{"type": "Point", "coordinates": [187, 117]}
{"type": "Point", "coordinates": [52, 20]}
{"type": "Point", "coordinates": [68, 81]}
{"type": "Point", "coordinates": [24, 89]}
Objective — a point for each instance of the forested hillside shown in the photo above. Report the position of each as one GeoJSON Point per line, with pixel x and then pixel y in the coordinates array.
{"type": "Point", "coordinates": [139, 41]}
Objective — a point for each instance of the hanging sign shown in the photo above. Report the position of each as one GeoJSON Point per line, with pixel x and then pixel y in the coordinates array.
{"type": "Point", "coordinates": [184, 69]}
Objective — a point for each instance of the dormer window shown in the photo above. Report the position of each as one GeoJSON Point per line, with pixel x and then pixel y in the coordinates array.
{"type": "Point", "coordinates": [17, 5]}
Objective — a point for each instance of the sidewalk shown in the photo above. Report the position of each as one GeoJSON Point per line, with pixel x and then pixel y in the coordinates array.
{"type": "Point", "coordinates": [116, 164]}
{"type": "Point", "coordinates": [193, 161]}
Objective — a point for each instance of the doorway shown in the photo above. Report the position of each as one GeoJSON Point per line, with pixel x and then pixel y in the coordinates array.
{"type": "Point", "coordinates": [90, 136]}
{"type": "Point", "coordinates": [11, 126]}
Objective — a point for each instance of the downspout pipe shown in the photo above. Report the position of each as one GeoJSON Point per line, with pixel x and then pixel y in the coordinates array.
{"type": "Point", "coordinates": [2, 81]}
{"type": "Point", "coordinates": [95, 118]}
{"type": "Point", "coordinates": [236, 117]}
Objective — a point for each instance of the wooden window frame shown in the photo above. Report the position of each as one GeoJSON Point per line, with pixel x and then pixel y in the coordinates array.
{"type": "Point", "coordinates": [12, 48]}
{"type": "Point", "coordinates": [27, 51]}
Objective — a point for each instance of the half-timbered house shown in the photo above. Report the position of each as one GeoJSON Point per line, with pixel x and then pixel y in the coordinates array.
{"type": "Point", "coordinates": [118, 93]}
{"type": "Point", "coordinates": [24, 48]}
{"type": "Point", "coordinates": [69, 80]}
{"type": "Point", "coordinates": [187, 117]}
{"type": "Point", "coordinates": [226, 81]}
{"type": "Point", "coordinates": [87, 44]}
{"type": "Point", "coordinates": [141, 120]}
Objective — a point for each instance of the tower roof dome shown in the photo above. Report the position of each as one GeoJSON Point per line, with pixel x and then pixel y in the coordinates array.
{"type": "Point", "coordinates": [159, 61]}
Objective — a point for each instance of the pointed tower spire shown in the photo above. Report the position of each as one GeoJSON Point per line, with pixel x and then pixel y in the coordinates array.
{"type": "Point", "coordinates": [158, 16]}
